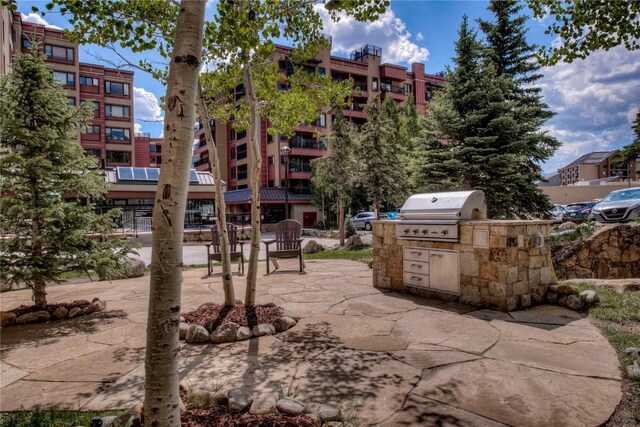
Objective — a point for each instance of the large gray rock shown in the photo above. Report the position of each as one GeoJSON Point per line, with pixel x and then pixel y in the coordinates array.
{"type": "Point", "coordinates": [94, 307]}
{"type": "Point", "coordinates": [244, 333]}
{"type": "Point", "coordinates": [329, 412]}
{"type": "Point", "coordinates": [34, 317]}
{"type": "Point", "coordinates": [196, 334]}
{"type": "Point", "coordinates": [183, 330]}
{"type": "Point", "coordinates": [239, 400]}
{"type": "Point", "coordinates": [60, 313]}
{"type": "Point", "coordinates": [282, 324]}
{"type": "Point", "coordinates": [353, 241]}
{"type": "Point", "coordinates": [290, 406]}
{"type": "Point", "coordinates": [567, 225]}
{"type": "Point", "coordinates": [312, 247]}
{"type": "Point", "coordinates": [589, 297]}
{"type": "Point", "coordinates": [73, 312]}
{"type": "Point", "coordinates": [224, 333]}
{"type": "Point", "coordinates": [552, 297]}
{"type": "Point", "coordinates": [263, 404]}
{"type": "Point", "coordinates": [136, 266]}
{"type": "Point", "coordinates": [573, 302]}
{"type": "Point", "coordinates": [263, 329]}
{"type": "Point", "coordinates": [7, 318]}
{"type": "Point", "coordinates": [564, 289]}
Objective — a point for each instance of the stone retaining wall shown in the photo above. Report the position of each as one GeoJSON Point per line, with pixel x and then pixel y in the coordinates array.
{"type": "Point", "coordinates": [612, 252]}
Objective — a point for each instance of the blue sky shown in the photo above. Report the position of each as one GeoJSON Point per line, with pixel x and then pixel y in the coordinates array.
{"type": "Point", "coordinates": [595, 99]}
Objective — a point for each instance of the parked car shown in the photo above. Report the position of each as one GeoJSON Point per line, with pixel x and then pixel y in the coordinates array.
{"type": "Point", "coordinates": [364, 220]}
{"type": "Point", "coordinates": [618, 206]}
{"type": "Point", "coordinates": [557, 213]}
{"type": "Point", "coordinates": [392, 215]}
{"type": "Point", "coordinates": [579, 211]}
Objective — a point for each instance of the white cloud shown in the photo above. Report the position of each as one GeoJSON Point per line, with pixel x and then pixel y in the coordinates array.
{"type": "Point", "coordinates": [137, 127]}
{"type": "Point", "coordinates": [596, 100]}
{"type": "Point", "coordinates": [419, 36]}
{"type": "Point", "coordinates": [146, 105]}
{"type": "Point", "coordinates": [388, 32]}
{"type": "Point", "coordinates": [34, 18]}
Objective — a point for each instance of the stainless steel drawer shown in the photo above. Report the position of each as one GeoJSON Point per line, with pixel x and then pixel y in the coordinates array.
{"type": "Point", "coordinates": [416, 280]}
{"type": "Point", "coordinates": [416, 267]}
{"type": "Point", "coordinates": [416, 254]}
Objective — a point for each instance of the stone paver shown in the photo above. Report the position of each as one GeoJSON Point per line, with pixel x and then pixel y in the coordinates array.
{"type": "Point", "coordinates": [394, 359]}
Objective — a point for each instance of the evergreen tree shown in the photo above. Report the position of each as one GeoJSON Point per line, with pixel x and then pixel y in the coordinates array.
{"type": "Point", "coordinates": [45, 176]}
{"type": "Point", "coordinates": [335, 174]}
{"type": "Point", "coordinates": [383, 176]}
{"type": "Point", "coordinates": [514, 58]}
{"type": "Point", "coordinates": [631, 152]}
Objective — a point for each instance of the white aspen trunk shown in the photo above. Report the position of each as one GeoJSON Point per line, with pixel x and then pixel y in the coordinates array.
{"type": "Point", "coordinates": [341, 220]}
{"type": "Point", "coordinates": [256, 164]}
{"type": "Point", "coordinates": [221, 207]}
{"type": "Point", "coordinates": [162, 399]}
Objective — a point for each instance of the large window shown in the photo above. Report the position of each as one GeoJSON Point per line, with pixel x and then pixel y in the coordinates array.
{"type": "Point", "coordinates": [93, 129]}
{"type": "Point", "coordinates": [321, 121]}
{"type": "Point", "coordinates": [242, 172]}
{"type": "Point", "coordinates": [71, 101]}
{"type": "Point", "coordinates": [59, 52]}
{"type": "Point", "coordinates": [114, 88]}
{"type": "Point", "coordinates": [117, 110]}
{"type": "Point", "coordinates": [66, 79]}
{"type": "Point", "coordinates": [118, 157]}
{"type": "Point", "coordinates": [96, 108]}
{"type": "Point", "coordinates": [118, 134]}
{"type": "Point", "coordinates": [88, 81]}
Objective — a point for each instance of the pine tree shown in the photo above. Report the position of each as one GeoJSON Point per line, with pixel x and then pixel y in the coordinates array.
{"type": "Point", "coordinates": [46, 176]}
{"type": "Point", "coordinates": [513, 57]}
{"type": "Point", "coordinates": [631, 152]}
{"type": "Point", "coordinates": [383, 176]}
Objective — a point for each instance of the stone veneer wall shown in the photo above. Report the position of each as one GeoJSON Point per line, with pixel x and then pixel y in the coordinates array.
{"type": "Point", "coordinates": [612, 252]}
{"type": "Point", "coordinates": [508, 274]}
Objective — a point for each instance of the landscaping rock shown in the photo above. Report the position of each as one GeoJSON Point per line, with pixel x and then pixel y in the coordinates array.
{"type": "Point", "coordinates": [73, 312]}
{"type": "Point", "coordinates": [34, 317]}
{"type": "Point", "coordinates": [562, 300]}
{"type": "Point", "coordinates": [224, 333]}
{"type": "Point", "coordinates": [7, 318]}
{"type": "Point", "coordinates": [136, 265]}
{"type": "Point", "coordinates": [95, 422]}
{"type": "Point", "coordinates": [630, 351]}
{"type": "Point", "coordinates": [263, 329]}
{"type": "Point", "coordinates": [353, 241]}
{"type": "Point", "coordinates": [94, 307]}
{"type": "Point", "coordinates": [312, 247]}
{"type": "Point", "coordinates": [282, 324]}
{"type": "Point", "coordinates": [633, 370]}
{"type": "Point", "coordinates": [589, 297]}
{"type": "Point", "coordinates": [291, 315]}
{"type": "Point", "coordinates": [269, 304]}
{"type": "Point", "coordinates": [564, 289]}
{"type": "Point", "coordinates": [574, 303]}
{"type": "Point", "coordinates": [196, 334]}
{"type": "Point", "coordinates": [183, 330]}
{"type": "Point", "coordinates": [263, 404]}
{"type": "Point", "coordinates": [567, 225]}
{"type": "Point", "coordinates": [244, 333]}
{"type": "Point", "coordinates": [552, 297]}
{"type": "Point", "coordinates": [329, 412]}
{"type": "Point", "coordinates": [239, 400]}
{"type": "Point", "coordinates": [131, 418]}
{"type": "Point", "coordinates": [60, 313]}
{"type": "Point", "coordinates": [290, 406]}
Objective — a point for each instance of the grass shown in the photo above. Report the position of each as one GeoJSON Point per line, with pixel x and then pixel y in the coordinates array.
{"type": "Point", "coordinates": [614, 306]}
{"type": "Point", "coordinates": [356, 254]}
{"type": "Point", "coordinates": [50, 418]}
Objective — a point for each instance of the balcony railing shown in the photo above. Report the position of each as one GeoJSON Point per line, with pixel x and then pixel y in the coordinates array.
{"type": "Point", "coordinates": [298, 168]}
{"type": "Point", "coordinates": [201, 162]}
{"type": "Point", "coordinates": [385, 87]}
{"type": "Point", "coordinates": [360, 85]}
{"type": "Point", "coordinates": [308, 143]}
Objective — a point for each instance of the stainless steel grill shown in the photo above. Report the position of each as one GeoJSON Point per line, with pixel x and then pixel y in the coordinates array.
{"type": "Point", "coordinates": [435, 216]}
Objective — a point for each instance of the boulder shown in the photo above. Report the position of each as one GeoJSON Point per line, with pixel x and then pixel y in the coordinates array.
{"type": "Point", "coordinates": [60, 313]}
{"type": "Point", "coordinates": [562, 299]}
{"type": "Point", "coordinates": [632, 351]}
{"type": "Point", "coordinates": [239, 400]}
{"type": "Point", "coordinates": [573, 302]}
{"type": "Point", "coordinates": [94, 307]}
{"type": "Point", "coordinates": [552, 297]}
{"type": "Point", "coordinates": [312, 247]}
{"type": "Point", "coordinates": [329, 412]}
{"type": "Point", "coordinates": [183, 330]}
{"type": "Point", "coordinates": [263, 329]}
{"type": "Point", "coordinates": [290, 406]}
{"type": "Point", "coordinates": [243, 333]}
{"type": "Point", "coordinates": [73, 312]}
{"type": "Point", "coordinates": [33, 317]}
{"type": "Point", "coordinates": [567, 225]}
{"type": "Point", "coordinates": [589, 297]}
{"type": "Point", "coordinates": [564, 289]}
{"type": "Point", "coordinates": [196, 334]}
{"type": "Point", "coordinates": [7, 318]}
{"type": "Point", "coordinates": [136, 266]}
{"type": "Point", "coordinates": [263, 404]}
{"type": "Point", "coordinates": [224, 333]}
{"type": "Point", "coordinates": [353, 241]}
{"type": "Point", "coordinates": [282, 324]}
{"type": "Point", "coordinates": [633, 370]}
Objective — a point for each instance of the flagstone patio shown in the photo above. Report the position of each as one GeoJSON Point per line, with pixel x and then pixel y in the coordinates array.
{"type": "Point", "coordinates": [399, 359]}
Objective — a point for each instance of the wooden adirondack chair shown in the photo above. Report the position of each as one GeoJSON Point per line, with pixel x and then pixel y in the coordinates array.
{"type": "Point", "coordinates": [288, 243]}
{"type": "Point", "coordinates": [236, 246]}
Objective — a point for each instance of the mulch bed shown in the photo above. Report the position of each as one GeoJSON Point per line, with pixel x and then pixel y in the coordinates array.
{"type": "Point", "coordinates": [24, 309]}
{"type": "Point", "coordinates": [221, 417]}
{"type": "Point", "coordinates": [213, 315]}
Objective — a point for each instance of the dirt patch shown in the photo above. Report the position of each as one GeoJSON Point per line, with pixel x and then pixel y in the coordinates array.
{"type": "Point", "coordinates": [221, 417]}
{"type": "Point", "coordinates": [24, 309]}
{"type": "Point", "coordinates": [628, 411]}
{"type": "Point", "coordinates": [213, 315]}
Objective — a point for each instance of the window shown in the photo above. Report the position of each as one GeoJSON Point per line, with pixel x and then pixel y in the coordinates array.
{"type": "Point", "coordinates": [269, 138]}
{"type": "Point", "coordinates": [241, 134]}
{"type": "Point", "coordinates": [321, 121]}
{"type": "Point", "coordinates": [93, 129]}
{"type": "Point", "coordinates": [271, 183]}
{"type": "Point", "coordinates": [26, 43]}
{"type": "Point", "coordinates": [283, 137]}
{"type": "Point", "coordinates": [94, 152]}
{"type": "Point", "coordinates": [65, 79]}
{"type": "Point", "coordinates": [114, 88]}
{"type": "Point", "coordinates": [242, 152]}
{"type": "Point", "coordinates": [71, 101]}
{"type": "Point", "coordinates": [96, 108]}
{"type": "Point", "coordinates": [428, 95]}
{"type": "Point", "coordinates": [117, 134]}
{"type": "Point", "coordinates": [321, 71]}
{"type": "Point", "coordinates": [118, 157]}
{"type": "Point", "coordinates": [117, 110]}
{"type": "Point", "coordinates": [59, 52]}
{"type": "Point", "coordinates": [272, 160]}
{"type": "Point", "coordinates": [407, 88]}
{"type": "Point", "coordinates": [374, 84]}
{"type": "Point", "coordinates": [242, 172]}
{"type": "Point", "coordinates": [88, 81]}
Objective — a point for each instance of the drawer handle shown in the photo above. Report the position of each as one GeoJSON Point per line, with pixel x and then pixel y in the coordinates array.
{"type": "Point", "coordinates": [416, 253]}
{"type": "Point", "coordinates": [416, 265]}
{"type": "Point", "coordinates": [438, 255]}
{"type": "Point", "coordinates": [416, 278]}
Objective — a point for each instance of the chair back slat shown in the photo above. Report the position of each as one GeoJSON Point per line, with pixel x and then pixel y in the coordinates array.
{"type": "Point", "coordinates": [287, 235]}
{"type": "Point", "coordinates": [232, 233]}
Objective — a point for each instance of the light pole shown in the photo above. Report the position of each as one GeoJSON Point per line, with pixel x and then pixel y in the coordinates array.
{"type": "Point", "coordinates": [284, 152]}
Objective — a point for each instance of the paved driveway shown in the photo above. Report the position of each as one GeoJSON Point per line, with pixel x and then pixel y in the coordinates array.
{"type": "Point", "coordinates": [400, 360]}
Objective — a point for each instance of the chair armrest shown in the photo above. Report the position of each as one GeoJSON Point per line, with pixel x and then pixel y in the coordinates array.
{"type": "Point", "coordinates": [208, 244]}
{"type": "Point", "coordinates": [268, 242]}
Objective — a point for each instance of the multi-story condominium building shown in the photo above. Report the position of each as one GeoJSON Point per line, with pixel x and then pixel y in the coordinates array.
{"type": "Point", "coordinates": [109, 136]}
{"type": "Point", "coordinates": [596, 166]}
{"type": "Point", "coordinates": [372, 79]}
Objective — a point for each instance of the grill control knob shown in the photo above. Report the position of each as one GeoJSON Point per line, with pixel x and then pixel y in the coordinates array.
{"type": "Point", "coordinates": [405, 231]}
{"type": "Point", "coordinates": [415, 231]}
{"type": "Point", "coordinates": [425, 231]}
{"type": "Point", "coordinates": [445, 232]}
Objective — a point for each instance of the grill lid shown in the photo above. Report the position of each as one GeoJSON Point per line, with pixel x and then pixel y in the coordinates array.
{"type": "Point", "coordinates": [450, 205]}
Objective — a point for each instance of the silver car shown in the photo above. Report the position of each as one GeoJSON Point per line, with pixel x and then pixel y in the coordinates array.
{"type": "Point", "coordinates": [364, 220]}
{"type": "Point", "coordinates": [618, 206]}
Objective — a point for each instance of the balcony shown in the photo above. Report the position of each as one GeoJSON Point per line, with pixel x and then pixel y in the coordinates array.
{"type": "Point", "coordinates": [360, 85]}
{"type": "Point", "coordinates": [306, 143]}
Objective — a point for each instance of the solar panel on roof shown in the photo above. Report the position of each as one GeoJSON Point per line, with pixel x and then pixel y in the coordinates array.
{"type": "Point", "coordinates": [124, 173]}
{"type": "Point", "coordinates": [139, 174]}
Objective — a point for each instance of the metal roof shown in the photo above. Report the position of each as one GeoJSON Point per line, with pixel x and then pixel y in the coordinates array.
{"type": "Point", "coordinates": [592, 158]}
{"type": "Point", "coordinates": [266, 195]}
